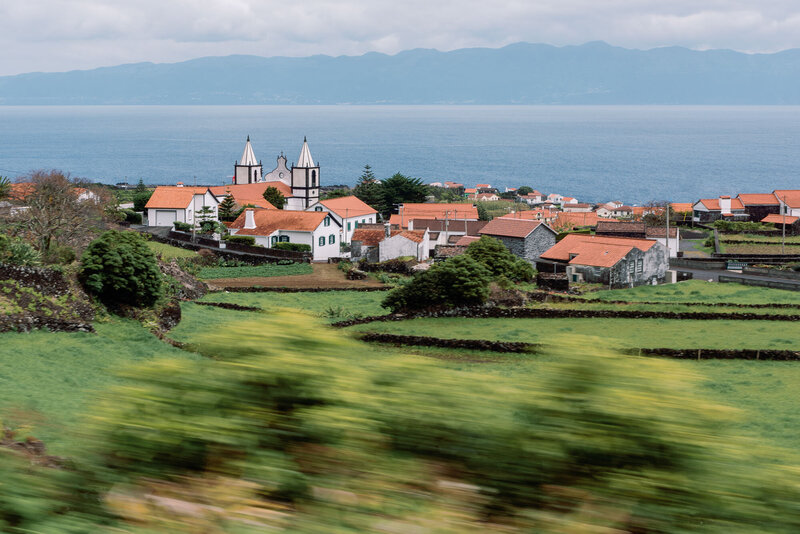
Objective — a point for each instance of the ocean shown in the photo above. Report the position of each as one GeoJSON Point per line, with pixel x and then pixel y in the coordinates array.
{"type": "Point", "coordinates": [595, 153]}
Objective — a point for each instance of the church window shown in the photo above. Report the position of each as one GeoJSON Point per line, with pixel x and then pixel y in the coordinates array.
{"type": "Point", "coordinates": [321, 240]}
{"type": "Point", "coordinates": [331, 239]}
{"type": "Point", "coordinates": [313, 178]}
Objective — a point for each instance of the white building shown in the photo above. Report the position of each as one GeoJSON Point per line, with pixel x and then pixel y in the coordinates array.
{"type": "Point", "coordinates": [303, 179]}
{"type": "Point", "coordinates": [169, 204]}
{"type": "Point", "coordinates": [349, 212]}
{"type": "Point", "coordinates": [789, 200]}
{"type": "Point", "coordinates": [317, 229]}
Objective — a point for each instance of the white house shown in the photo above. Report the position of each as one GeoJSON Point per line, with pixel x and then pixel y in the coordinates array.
{"type": "Point", "coordinates": [318, 229]}
{"type": "Point", "coordinates": [169, 204]}
{"type": "Point", "coordinates": [789, 200]}
{"type": "Point", "coordinates": [405, 243]}
{"type": "Point", "coordinates": [350, 212]}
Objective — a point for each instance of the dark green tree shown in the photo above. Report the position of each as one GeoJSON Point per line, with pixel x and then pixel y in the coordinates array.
{"type": "Point", "coordinates": [119, 268]}
{"type": "Point", "coordinates": [274, 197]}
{"type": "Point", "coordinates": [400, 189]}
{"type": "Point", "coordinates": [227, 208]}
{"type": "Point", "coordinates": [336, 193]}
{"type": "Point", "coordinates": [369, 190]}
{"type": "Point", "coordinates": [459, 281]}
{"type": "Point", "coordinates": [140, 187]}
{"type": "Point", "coordinates": [140, 200]}
{"type": "Point", "coordinates": [524, 190]}
{"type": "Point", "coordinates": [483, 213]}
{"type": "Point", "coordinates": [495, 256]}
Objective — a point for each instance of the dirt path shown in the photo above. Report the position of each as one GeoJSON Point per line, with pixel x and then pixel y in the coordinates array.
{"type": "Point", "coordinates": [325, 275]}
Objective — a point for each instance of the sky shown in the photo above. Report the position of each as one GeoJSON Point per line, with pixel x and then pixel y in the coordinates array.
{"type": "Point", "coordinates": [61, 35]}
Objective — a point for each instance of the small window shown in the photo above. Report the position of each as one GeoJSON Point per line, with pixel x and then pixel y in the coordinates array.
{"type": "Point", "coordinates": [331, 239]}
{"type": "Point", "coordinates": [284, 239]}
{"type": "Point", "coordinates": [318, 208]}
{"type": "Point", "coordinates": [327, 221]}
{"type": "Point", "coordinates": [274, 239]}
{"type": "Point", "coordinates": [639, 266]}
{"type": "Point", "coordinates": [322, 240]}
{"type": "Point", "coordinates": [631, 266]}
{"type": "Point", "coordinates": [313, 178]}
{"type": "Point", "coordinates": [348, 227]}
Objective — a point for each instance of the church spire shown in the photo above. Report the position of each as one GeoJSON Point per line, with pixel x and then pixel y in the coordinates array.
{"type": "Point", "coordinates": [305, 159]}
{"type": "Point", "coordinates": [248, 156]}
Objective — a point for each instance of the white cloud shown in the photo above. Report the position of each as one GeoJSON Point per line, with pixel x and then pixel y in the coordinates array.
{"type": "Point", "coordinates": [69, 34]}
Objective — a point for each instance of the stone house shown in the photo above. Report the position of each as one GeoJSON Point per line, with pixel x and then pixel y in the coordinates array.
{"type": "Point", "coordinates": [707, 210]}
{"type": "Point", "coordinates": [524, 238]}
{"type": "Point", "coordinates": [387, 243]}
{"type": "Point", "coordinates": [611, 261]}
{"type": "Point", "coordinates": [759, 205]}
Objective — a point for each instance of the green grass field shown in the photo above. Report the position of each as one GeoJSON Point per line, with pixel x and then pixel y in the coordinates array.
{"type": "Point", "coordinates": [700, 292]}
{"type": "Point", "coordinates": [169, 252]}
{"type": "Point", "coordinates": [48, 380]}
{"type": "Point", "coordinates": [665, 307]}
{"type": "Point", "coordinates": [624, 333]}
{"type": "Point", "coordinates": [333, 305]}
{"type": "Point", "coordinates": [248, 271]}
{"type": "Point", "coordinates": [776, 238]}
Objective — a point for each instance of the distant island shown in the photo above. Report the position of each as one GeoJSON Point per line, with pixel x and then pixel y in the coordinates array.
{"type": "Point", "coordinates": [590, 74]}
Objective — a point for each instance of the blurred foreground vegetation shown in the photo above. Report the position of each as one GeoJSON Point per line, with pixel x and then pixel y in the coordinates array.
{"type": "Point", "coordinates": [304, 430]}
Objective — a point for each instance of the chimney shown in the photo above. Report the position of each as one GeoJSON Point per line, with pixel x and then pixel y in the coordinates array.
{"type": "Point", "coordinates": [387, 230]}
{"type": "Point", "coordinates": [725, 204]}
{"type": "Point", "coordinates": [249, 219]}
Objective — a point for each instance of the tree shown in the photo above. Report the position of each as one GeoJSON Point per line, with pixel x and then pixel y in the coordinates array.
{"type": "Point", "coordinates": [659, 209]}
{"type": "Point", "coordinates": [140, 187]}
{"type": "Point", "coordinates": [227, 208]}
{"type": "Point", "coordinates": [119, 268]}
{"type": "Point", "coordinates": [5, 187]}
{"type": "Point", "coordinates": [524, 190]}
{"type": "Point", "coordinates": [400, 189]}
{"type": "Point", "coordinates": [55, 214]}
{"type": "Point", "coordinates": [274, 197]}
{"type": "Point", "coordinates": [483, 213]}
{"type": "Point", "coordinates": [368, 189]}
{"type": "Point", "coordinates": [140, 200]}
{"type": "Point", "coordinates": [459, 281]}
{"type": "Point", "coordinates": [495, 256]}
{"type": "Point", "coordinates": [336, 193]}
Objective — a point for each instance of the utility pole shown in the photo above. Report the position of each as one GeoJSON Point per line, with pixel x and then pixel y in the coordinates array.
{"type": "Point", "coordinates": [667, 218]}
{"type": "Point", "coordinates": [783, 226]}
{"type": "Point", "coordinates": [194, 209]}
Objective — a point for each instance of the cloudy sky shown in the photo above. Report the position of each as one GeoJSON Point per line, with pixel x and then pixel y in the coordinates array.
{"type": "Point", "coordinates": [58, 35]}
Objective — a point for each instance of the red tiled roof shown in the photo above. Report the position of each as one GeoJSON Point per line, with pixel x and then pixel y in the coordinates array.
{"type": "Point", "coordinates": [369, 237]}
{"type": "Point", "coordinates": [470, 190]}
{"type": "Point", "coordinates": [569, 219]}
{"type": "Point", "coordinates": [712, 204]}
{"type": "Point", "coordinates": [434, 211]}
{"type": "Point", "coordinates": [620, 227]}
{"type": "Point", "coordinates": [790, 196]}
{"type": "Point", "coordinates": [245, 194]}
{"type": "Point", "coordinates": [416, 236]}
{"type": "Point", "coordinates": [777, 218]}
{"type": "Point", "coordinates": [465, 240]}
{"type": "Point", "coordinates": [656, 232]}
{"type": "Point", "coordinates": [681, 207]}
{"type": "Point", "coordinates": [479, 186]}
{"type": "Point", "coordinates": [509, 227]}
{"type": "Point", "coordinates": [20, 191]}
{"type": "Point", "coordinates": [267, 221]}
{"type": "Point", "coordinates": [439, 225]}
{"type": "Point", "coordinates": [758, 199]}
{"type": "Point", "coordinates": [596, 251]}
{"type": "Point", "coordinates": [532, 215]}
{"type": "Point", "coordinates": [346, 207]}
{"type": "Point", "coordinates": [173, 197]}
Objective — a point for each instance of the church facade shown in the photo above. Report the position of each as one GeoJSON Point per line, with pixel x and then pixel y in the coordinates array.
{"type": "Point", "coordinates": [302, 179]}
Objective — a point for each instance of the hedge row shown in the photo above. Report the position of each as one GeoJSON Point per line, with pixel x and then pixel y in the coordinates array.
{"type": "Point", "coordinates": [297, 289]}
{"type": "Point", "coordinates": [427, 341]}
{"type": "Point", "coordinates": [229, 306]}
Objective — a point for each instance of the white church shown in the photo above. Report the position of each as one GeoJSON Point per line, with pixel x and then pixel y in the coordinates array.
{"type": "Point", "coordinates": [301, 182]}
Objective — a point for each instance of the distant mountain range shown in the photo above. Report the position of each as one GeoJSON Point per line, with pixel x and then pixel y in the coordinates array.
{"type": "Point", "coordinates": [523, 73]}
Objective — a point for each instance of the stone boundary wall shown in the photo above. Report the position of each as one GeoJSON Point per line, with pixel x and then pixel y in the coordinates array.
{"type": "Point", "coordinates": [228, 306]}
{"type": "Point", "coordinates": [18, 323]}
{"type": "Point", "coordinates": [228, 253]}
{"type": "Point", "coordinates": [534, 313]}
{"type": "Point", "coordinates": [696, 263]}
{"type": "Point", "coordinates": [545, 297]}
{"type": "Point", "coordinates": [774, 284]}
{"type": "Point", "coordinates": [427, 341]}
{"type": "Point", "coordinates": [775, 273]}
{"type": "Point", "coordinates": [297, 289]}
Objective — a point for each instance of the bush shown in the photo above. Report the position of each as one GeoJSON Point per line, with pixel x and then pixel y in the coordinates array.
{"type": "Point", "coordinates": [241, 239]}
{"type": "Point", "coordinates": [182, 226]}
{"type": "Point", "coordinates": [295, 247]}
{"type": "Point", "coordinates": [60, 254]}
{"type": "Point", "coordinates": [494, 255]}
{"type": "Point", "coordinates": [15, 251]}
{"type": "Point", "coordinates": [132, 217]}
{"type": "Point", "coordinates": [740, 226]}
{"type": "Point", "coordinates": [459, 281]}
{"type": "Point", "coordinates": [119, 268]}
{"type": "Point", "coordinates": [140, 200]}
{"type": "Point", "coordinates": [396, 265]}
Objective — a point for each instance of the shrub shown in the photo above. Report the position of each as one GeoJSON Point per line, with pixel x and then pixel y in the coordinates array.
{"type": "Point", "coordinates": [15, 251]}
{"type": "Point", "coordinates": [459, 281]}
{"type": "Point", "coordinates": [182, 226]}
{"type": "Point", "coordinates": [241, 239]}
{"type": "Point", "coordinates": [140, 200]}
{"type": "Point", "coordinates": [60, 254]}
{"type": "Point", "coordinates": [740, 226]}
{"type": "Point", "coordinates": [296, 247]}
{"type": "Point", "coordinates": [132, 217]}
{"type": "Point", "coordinates": [119, 268]}
{"type": "Point", "coordinates": [494, 255]}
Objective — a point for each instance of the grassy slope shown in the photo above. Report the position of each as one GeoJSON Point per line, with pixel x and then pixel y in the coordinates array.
{"type": "Point", "coordinates": [666, 307]}
{"type": "Point", "coordinates": [700, 292]}
{"type": "Point", "coordinates": [169, 252]}
{"type": "Point", "coordinates": [248, 271]}
{"type": "Point", "coordinates": [48, 380]}
{"type": "Point", "coordinates": [341, 303]}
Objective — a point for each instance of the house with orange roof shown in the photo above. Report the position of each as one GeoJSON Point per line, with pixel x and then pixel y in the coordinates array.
{"type": "Point", "coordinates": [524, 238]}
{"type": "Point", "coordinates": [432, 210]}
{"type": "Point", "coordinates": [576, 207]}
{"type": "Point", "coordinates": [708, 210]}
{"type": "Point", "coordinates": [546, 216]}
{"type": "Point", "coordinates": [318, 229]}
{"type": "Point", "coordinates": [759, 205]}
{"type": "Point", "coordinates": [249, 194]}
{"type": "Point", "coordinates": [171, 204]}
{"type": "Point", "coordinates": [487, 197]}
{"type": "Point", "coordinates": [387, 243]}
{"type": "Point", "coordinates": [780, 220]}
{"type": "Point", "coordinates": [350, 212]}
{"type": "Point", "coordinates": [532, 198]}
{"type": "Point", "coordinates": [789, 201]}
{"type": "Point", "coordinates": [611, 261]}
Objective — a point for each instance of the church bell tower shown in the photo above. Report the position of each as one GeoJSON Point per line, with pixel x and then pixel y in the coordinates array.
{"type": "Point", "coordinates": [247, 170]}
{"type": "Point", "coordinates": [305, 179]}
